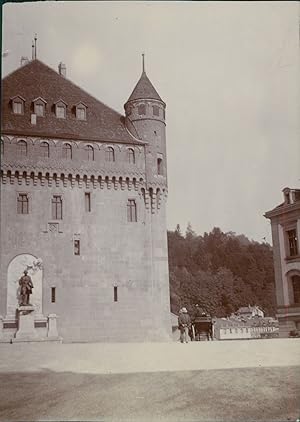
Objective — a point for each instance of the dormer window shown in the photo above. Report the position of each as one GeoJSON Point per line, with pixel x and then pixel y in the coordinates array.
{"type": "Point", "coordinates": [39, 105]}
{"type": "Point", "coordinates": [18, 104]}
{"type": "Point", "coordinates": [80, 111]}
{"type": "Point", "coordinates": [61, 109]}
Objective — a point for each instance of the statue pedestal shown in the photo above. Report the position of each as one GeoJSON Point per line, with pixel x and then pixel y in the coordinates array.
{"type": "Point", "coordinates": [26, 330]}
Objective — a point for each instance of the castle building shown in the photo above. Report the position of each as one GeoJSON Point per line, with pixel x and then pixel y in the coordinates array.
{"type": "Point", "coordinates": [285, 223]}
{"type": "Point", "coordinates": [83, 209]}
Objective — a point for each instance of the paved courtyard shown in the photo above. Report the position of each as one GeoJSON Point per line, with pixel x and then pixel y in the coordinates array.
{"type": "Point", "coordinates": [256, 380]}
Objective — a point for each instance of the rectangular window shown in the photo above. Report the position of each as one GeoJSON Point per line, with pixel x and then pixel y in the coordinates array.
{"type": "Point", "coordinates": [77, 247]}
{"type": "Point", "coordinates": [160, 166]}
{"type": "Point", "coordinates": [155, 110]}
{"type": "Point", "coordinates": [131, 211]}
{"type": "Point", "coordinates": [22, 203]}
{"type": "Point", "coordinates": [292, 242]}
{"type": "Point", "coordinates": [53, 296]}
{"type": "Point", "coordinates": [115, 294]}
{"type": "Point", "coordinates": [142, 109]}
{"type": "Point", "coordinates": [57, 207]}
{"type": "Point", "coordinates": [87, 200]}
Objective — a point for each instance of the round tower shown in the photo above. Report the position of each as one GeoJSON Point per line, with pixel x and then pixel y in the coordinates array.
{"type": "Point", "coordinates": [145, 112]}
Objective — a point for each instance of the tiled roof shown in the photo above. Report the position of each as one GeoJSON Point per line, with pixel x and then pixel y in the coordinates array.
{"type": "Point", "coordinates": [245, 309]}
{"type": "Point", "coordinates": [144, 90]}
{"type": "Point", "coordinates": [38, 80]}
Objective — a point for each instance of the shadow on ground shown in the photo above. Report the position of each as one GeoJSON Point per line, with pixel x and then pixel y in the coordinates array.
{"type": "Point", "coordinates": [251, 394]}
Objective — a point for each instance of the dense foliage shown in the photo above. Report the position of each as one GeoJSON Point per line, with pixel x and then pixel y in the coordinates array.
{"type": "Point", "coordinates": [220, 271]}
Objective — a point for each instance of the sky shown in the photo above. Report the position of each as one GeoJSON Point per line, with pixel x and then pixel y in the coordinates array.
{"type": "Point", "coordinates": [228, 72]}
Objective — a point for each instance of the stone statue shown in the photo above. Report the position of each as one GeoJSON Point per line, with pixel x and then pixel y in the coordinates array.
{"type": "Point", "coordinates": [26, 288]}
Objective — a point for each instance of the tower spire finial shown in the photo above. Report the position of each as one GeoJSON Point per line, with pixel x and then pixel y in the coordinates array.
{"type": "Point", "coordinates": [143, 62]}
{"type": "Point", "coordinates": [35, 48]}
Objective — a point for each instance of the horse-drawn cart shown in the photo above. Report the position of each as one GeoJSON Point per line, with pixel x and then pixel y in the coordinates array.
{"type": "Point", "coordinates": [202, 328]}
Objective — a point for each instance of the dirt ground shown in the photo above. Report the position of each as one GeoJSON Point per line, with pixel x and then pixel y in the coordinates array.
{"type": "Point", "coordinates": [236, 381]}
{"type": "Point", "coordinates": [235, 395]}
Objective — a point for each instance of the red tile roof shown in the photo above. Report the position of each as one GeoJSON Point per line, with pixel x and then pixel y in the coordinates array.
{"type": "Point", "coordinates": [144, 90]}
{"type": "Point", "coordinates": [36, 79]}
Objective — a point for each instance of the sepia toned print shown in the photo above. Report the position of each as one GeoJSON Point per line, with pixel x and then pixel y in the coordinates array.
{"type": "Point", "coordinates": [150, 211]}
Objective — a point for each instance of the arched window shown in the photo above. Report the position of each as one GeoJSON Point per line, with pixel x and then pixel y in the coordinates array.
{"type": "Point", "coordinates": [110, 154]}
{"type": "Point", "coordinates": [2, 147]}
{"type": "Point", "coordinates": [131, 156]}
{"type": "Point", "coordinates": [296, 288]}
{"type": "Point", "coordinates": [67, 151]}
{"type": "Point", "coordinates": [45, 150]}
{"type": "Point", "coordinates": [22, 149]}
{"type": "Point", "coordinates": [89, 150]}
{"type": "Point", "coordinates": [159, 166]}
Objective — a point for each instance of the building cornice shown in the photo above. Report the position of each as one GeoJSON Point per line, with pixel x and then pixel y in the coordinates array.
{"type": "Point", "coordinates": [283, 210]}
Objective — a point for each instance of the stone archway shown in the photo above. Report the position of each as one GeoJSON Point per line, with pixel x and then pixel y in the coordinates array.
{"type": "Point", "coordinates": [15, 271]}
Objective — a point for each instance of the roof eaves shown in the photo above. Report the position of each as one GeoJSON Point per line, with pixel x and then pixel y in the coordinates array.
{"type": "Point", "coordinates": [70, 137]}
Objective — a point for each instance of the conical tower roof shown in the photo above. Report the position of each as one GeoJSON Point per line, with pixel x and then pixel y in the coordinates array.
{"type": "Point", "coordinates": [144, 88]}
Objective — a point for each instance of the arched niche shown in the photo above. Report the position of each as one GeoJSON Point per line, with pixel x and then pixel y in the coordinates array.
{"type": "Point", "coordinates": [16, 269]}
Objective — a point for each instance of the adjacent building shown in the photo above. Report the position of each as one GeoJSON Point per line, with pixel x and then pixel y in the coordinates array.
{"type": "Point", "coordinates": [83, 209]}
{"type": "Point", "coordinates": [250, 311]}
{"type": "Point", "coordinates": [285, 223]}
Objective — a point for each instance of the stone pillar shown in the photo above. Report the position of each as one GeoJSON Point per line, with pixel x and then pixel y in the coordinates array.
{"type": "Point", "coordinates": [26, 330]}
{"type": "Point", "coordinates": [52, 326]}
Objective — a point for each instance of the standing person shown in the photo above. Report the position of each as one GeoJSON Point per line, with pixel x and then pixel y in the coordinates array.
{"type": "Point", "coordinates": [184, 323]}
{"type": "Point", "coordinates": [26, 288]}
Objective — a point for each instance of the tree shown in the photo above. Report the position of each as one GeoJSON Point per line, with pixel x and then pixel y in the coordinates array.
{"type": "Point", "coordinates": [189, 233]}
{"type": "Point", "coordinates": [220, 271]}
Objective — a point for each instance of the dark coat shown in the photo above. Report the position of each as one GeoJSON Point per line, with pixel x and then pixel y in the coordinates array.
{"type": "Point", "coordinates": [184, 319]}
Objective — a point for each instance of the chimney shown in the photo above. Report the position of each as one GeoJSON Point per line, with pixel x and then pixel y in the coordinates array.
{"type": "Point", "coordinates": [24, 60]}
{"type": "Point", "coordinates": [33, 119]}
{"type": "Point", "coordinates": [62, 70]}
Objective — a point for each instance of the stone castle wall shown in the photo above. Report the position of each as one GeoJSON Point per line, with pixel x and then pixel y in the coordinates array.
{"type": "Point", "coordinates": [116, 256]}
